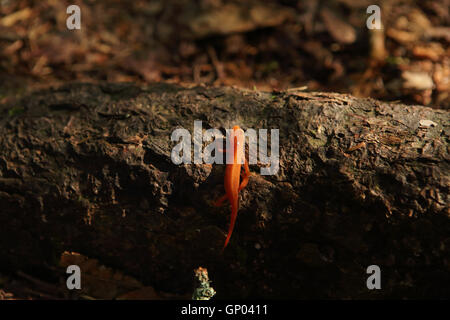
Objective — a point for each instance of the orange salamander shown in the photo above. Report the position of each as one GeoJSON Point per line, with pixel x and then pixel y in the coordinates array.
{"type": "Point", "coordinates": [233, 185]}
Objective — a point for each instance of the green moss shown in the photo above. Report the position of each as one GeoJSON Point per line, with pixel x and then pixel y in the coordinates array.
{"type": "Point", "coordinates": [392, 60]}
{"type": "Point", "coordinates": [316, 140]}
{"type": "Point", "coordinates": [15, 111]}
{"type": "Point", "coordinates": [270, 66]}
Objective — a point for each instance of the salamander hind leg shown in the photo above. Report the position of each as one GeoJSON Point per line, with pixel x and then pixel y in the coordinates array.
{"type": "Point", "coordinates": [245, 176]}
{"type": "Point", "coordinates": [219, 201]}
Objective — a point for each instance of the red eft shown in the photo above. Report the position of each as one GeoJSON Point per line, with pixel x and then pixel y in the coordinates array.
{"type": "Point", "coordinates": [233, 185]}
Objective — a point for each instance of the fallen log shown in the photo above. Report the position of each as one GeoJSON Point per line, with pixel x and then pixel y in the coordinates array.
{"type": "Point", "coordinates": [88, 168]}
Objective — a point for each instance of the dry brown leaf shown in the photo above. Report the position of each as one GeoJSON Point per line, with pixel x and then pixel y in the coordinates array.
{"type": "Point", "coordinates": [401, 36]}
{"type": "Point", "coordinates": [417, 80]}
{"type": "Point", "coordinates": [233, 18]}
{"type": "Point", "coordinates": [340, 30]}
{"type": "Point", "coordinates": [13, 18]}
{"type": "Point", "coordinates": [433, 51]}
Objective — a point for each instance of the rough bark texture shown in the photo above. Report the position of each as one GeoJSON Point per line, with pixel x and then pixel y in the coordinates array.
{"type": "Point", "coordinates": [87, 168]}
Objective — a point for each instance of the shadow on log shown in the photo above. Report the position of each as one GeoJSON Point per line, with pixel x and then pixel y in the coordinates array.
{"type": "Point", "coordinates": [87, 168]}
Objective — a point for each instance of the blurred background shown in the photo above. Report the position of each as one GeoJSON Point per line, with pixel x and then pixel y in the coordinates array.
{"type": "Point", "coordinates": [265, 45]}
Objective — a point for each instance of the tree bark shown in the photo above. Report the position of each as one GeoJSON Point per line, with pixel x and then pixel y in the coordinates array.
{"type": "Point", "coordinates": [87, 168]}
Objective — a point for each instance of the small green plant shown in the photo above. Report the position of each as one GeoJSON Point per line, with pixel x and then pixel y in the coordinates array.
{"type": "Point", "coordinates": [204, 290]}
{"type": "Point", "coordinates": [14, 111]}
